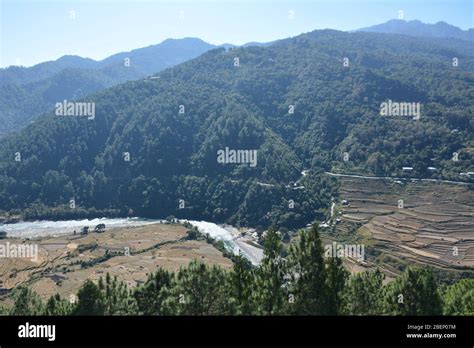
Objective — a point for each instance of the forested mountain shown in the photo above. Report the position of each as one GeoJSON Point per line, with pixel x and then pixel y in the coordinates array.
{"type": "Point", "coordinates": [25, 93]}
{"type": "Point", "coordinates": [417, 28]}
{"type": "Point", "coordinates": [19, 75]}
{"type": "Point", "coordinates": [309, 102]}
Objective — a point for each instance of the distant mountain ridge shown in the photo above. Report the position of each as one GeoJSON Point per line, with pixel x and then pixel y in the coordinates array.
{"type": "Point", "coordinates": [418, 28]}
{"type": "Point", "coordinates": [25, 93]}
{"type": "Point", "coordinates": [22, 75]}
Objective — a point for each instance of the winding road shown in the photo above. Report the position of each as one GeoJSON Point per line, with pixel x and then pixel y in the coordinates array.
{"type": "Point", "coordinates": [395, 178]}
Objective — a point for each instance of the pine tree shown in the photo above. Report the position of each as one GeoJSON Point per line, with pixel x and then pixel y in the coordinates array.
{"type": "Point", "coordinates": [151, 295]}
{"type": "Point", "coordinates": [270, 294]}
{"type": "Point", "coordinates": [363, 293]}
{"type": "Point", "coordinates": [241, 284]}
{"type": "Point", "coordinates": [336, 277]}
{"type": "Point", "coordinates": [116, 297]}
{"type": "Point", "coordinates": [414, 292]}
{"type": "Point", "coordinates": [90, 300]}
{"type": "Point", "coordinates": [459, 298]}
{"type": "Point", "coordinates": [57, 306]}
{"type": "Point", "coordinates": [308, 274]}
{"type": "Point", "coordinates": [26, 302]}
{"type": "Point", "coordinates": [198, 290]}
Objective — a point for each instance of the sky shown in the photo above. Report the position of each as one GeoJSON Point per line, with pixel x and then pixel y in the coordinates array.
{"type": "Point", "coordinates": [34, 31]}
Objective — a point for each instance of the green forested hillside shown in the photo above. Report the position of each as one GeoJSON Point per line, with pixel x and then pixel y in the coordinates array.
{"type": "Point", "coordinates": [173, 125]}
{"type": "Point", "coordinates": [19, 75]}
{"type": "Point", "coordinates": [25, 93]}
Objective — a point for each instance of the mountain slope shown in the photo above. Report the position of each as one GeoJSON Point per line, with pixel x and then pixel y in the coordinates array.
{"type": "Point", "coordinates": [417, 28]}
{"type": "Point", "coordinates": [155, 142]}
{"type": "Point", "coordinates": [20, 75]}
{"type": "Point", "coordinates": [25, 93]}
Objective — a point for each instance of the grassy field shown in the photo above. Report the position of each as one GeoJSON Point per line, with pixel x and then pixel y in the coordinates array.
{"type": "Point", "coordinates": [65, 262]}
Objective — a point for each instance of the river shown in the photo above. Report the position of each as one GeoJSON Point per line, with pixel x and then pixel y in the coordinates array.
{"type": "Point", "coordinates": [233, 240]}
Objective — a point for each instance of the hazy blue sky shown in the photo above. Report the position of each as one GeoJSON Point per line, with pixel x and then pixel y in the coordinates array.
{"type": "Point", "coordinates": [35, 31]}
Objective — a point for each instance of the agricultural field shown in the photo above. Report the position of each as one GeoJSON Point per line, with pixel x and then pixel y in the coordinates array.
{"type": "Point", "coordinates": [407, 222]}
{"type": "Point", "coordinates": [131, 253]}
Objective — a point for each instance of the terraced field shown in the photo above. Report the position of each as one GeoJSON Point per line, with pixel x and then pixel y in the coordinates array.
{"type": "Point", "coordinates": [65, 262]}
{"type": "Point", "coordinates": [422, 223]}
